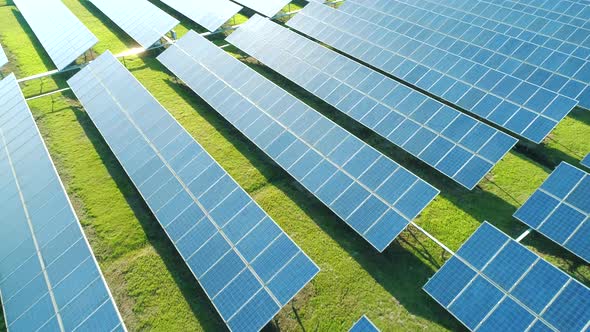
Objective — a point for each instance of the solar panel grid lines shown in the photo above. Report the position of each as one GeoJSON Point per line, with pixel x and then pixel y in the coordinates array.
{"type": "Point", "coordinates": [140, 19]}
{"type": "Point", "coordinates": [209, 14]}
{"type": "Point", "coordinates": [244, 262]}
{"type": "Point", "coordinates": [441, 144]}
{"type": "Point", "coordinates": [372, 194]}
{"type": "Point", "coordinates": [493, 283]}
{"type": "Point", "coordinates": [558, 72]}
{"type": "Point", "coordinates": [586, 161]}
{"type": "Point", "coordinates": [558, 11]}
{"type": "Point", "coordinates": [439, 73]}
{"type": "Point", "coordinates": [536, 29]}
{"type": "Point", "coordinates": [49, 278]}
{"type": "Point", "coordinates": [560, 209]}
{"type": "Point", "coordinates": [62, 35]}
{"type": "Point", "coordinates": [3, 58]}
{"type": "Point", "coordinates": [266, 7]}
{"type": "Point", "coordinates": [364, 324]}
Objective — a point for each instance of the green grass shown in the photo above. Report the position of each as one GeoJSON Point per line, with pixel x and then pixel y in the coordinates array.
{"type": "Point", "coordinates": [152, 286]}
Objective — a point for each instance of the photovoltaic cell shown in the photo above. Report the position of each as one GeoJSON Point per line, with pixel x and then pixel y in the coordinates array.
{"type": "Point", "coordinates": [49, 278]}
{"type": "Point", "coordinates": [140, 19]}
{"type": "Point", "coordinates": [62, 35]}
{"type": "Point", "coordinates": [244, 262]}
{"type": "Point", "coordinates": [561, 24]}
{"type": "Point", "coordinates": [3, 58]}
{"type": "Point", "coordinates": [364, 324]}
{"type": "Point", "coordinates": [209, 14]}
{"type": "Point", "coordinates": [374, 195]}
{"type": "Point", "coordinates": [523, 108]}
{"type": "Point", "coordinates": [265, 7]}
{"type": "Point", "coordinates": [546, 66]}
{"type": "Point", "coordinates": [586, 161]}
{"type": "Point", "coordinates": [455, 144]}
{"type": "Point", "coordinates": [560, 209]}
{"type": "Point", "coordinates": [493, 283]}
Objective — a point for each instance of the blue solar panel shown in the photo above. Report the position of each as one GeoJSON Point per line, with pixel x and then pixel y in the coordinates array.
{"type": "Point", "coordinates": [142, 20]}
{"type": "Point", "coordinates": [405, 117]}
{"type": "Point", "coordinates": [586, 161]}
{"type": "Point", "coordinates": [364, 324]}
{"type": "Point", "coordinates": [49, 278]}
{"type": "Point", "coordinates": [560, 209]}
{"type": "Point", "coordinates": [209, 14]}
{"type": "Point", "coordinates": [506, 100]}
{"type": "Point", "coordinates": [514, 289]}
{"type": "Point", "coordinates": [64, 42]}
{"type": "Point", "coordinates": [536, 64]}
{"type": "Point", "coordinates": [265, 7]}
{"type": "Point", "coordinates": [245, 263]}
{"type": "Point", "coordinates": [374, 195]}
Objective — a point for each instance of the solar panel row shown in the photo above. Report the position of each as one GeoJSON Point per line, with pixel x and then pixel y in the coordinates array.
{"type": "Point", "coordinates": [209, 14]}
{"type": "Point", "coordinates": [573, 13]}
{"type": "Point", "coordinates": [586, 161]}
{"type": "Point", "coordinates": [493, 283]}
{"type": "Point", "coordinates": [49, 278]}
{"type": "Point", "coordinates": [525, 109]}
{"type": "Point", "coordinates": [560, 209]}
{"type": "Point", "coordinates": [538, 65]}
{"type": "Point", "coordinates": [140, 19]}
{"type": "Point", "coordinates": [3, 58]}
{"type": "Point", "coordinates": [459, 146]}
{"type": "Point", "coordinates": [364, 324]}
{"type": "Point", "coordinates": [245, 263]}
{"type": "Point", "coordinates": [541, 30]}
{"type": "Point", "coordinates": [265, 7]}
{"type": "Point", "coordinates": [374, 195]}
{"type": "Point", "coordinates": [62, 35]}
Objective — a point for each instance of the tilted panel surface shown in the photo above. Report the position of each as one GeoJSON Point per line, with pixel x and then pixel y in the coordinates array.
{"type": "Point", "coordinates": [364, 324]}
{"type": "Point", "coordinates": [209, 14]}
{"type": "Point", "coordinates": [494, 283]}
{"type": "Point", "coordinates": [266, 7]}
{"type": "Point", "coordinates": [62, 35]}
{"type": "Point", "coordinates": [243, 260]}
{"type": "Point", "coordinates": [49, 278]}
{"type": "Point", "coordinates": [371, 193]}
{"type": "Point", "coordinates": [140, 19]}
{"type": "Point", "coordinates": [528, 110]}
{"type": "Point", "coordinates": [560, 209]}
{"type": "Point", "coordinates": [457, 145]}
{"type": "Point", "coordinates": [545, 66]}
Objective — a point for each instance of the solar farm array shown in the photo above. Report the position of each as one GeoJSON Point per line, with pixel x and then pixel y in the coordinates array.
{"type": "Point", "coordinates": [454, 83]}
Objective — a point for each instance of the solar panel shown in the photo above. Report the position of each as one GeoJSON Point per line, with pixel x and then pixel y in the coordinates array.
{"type": "Point", "coordinates": [266, 7]}
{"type": "Point", "coordinates": [560, 209]}
{"type": "Point", "coordinates": [545, 66]}
{"type": "Point", "coordinates": [364, 324]}
{"type": "Point", "coordinates": [493, 283]}
{"type": "Point", "coordinates": [3, 58]}
{"type": "Point", "coordinates": [523, 108]}
{"type": "Point", "coordinates": [209, 14]}
{"type": "Point", "coordinates": [531, 24]}
{"type": "Point", "coordinates": [62, 35]}
{"type": "Point", "coordinates": [49, 278]}
{"type": "Point", "coordinates": [243, 260]}
{"type": "Point", "coordinates": [586, 161]}
{"type": "Point", "coordinates": [568, 18]}
{"type": "Point", "coordinates": [459, 146]}
{"type": "Point", "coordinates": [372, 194]}
{"type": "Point", "coordinates": [140, 19]}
